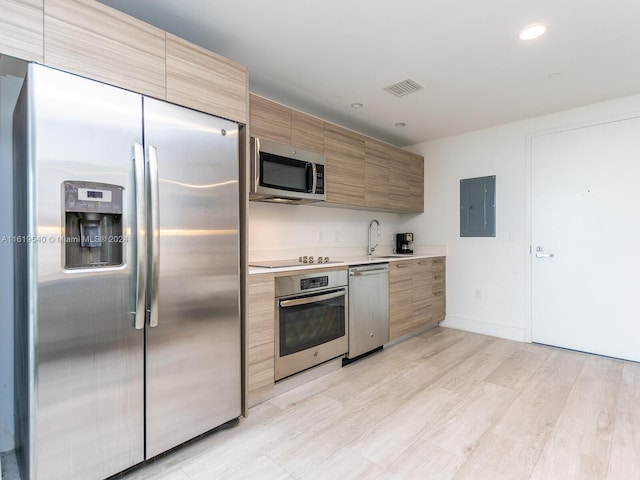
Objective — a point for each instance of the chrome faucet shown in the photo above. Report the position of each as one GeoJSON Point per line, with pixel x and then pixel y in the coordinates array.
{"type": "Point", "coordinates": [371, 249]}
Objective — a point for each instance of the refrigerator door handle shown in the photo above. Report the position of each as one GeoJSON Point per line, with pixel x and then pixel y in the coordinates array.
{"type": "Point", "coordinates": [141, 226]}
{"type": "Point", "coordinates": [154, 196]}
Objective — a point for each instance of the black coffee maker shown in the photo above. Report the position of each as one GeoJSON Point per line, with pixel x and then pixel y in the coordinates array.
{"type": "Point", "coordinates": [402, 243]}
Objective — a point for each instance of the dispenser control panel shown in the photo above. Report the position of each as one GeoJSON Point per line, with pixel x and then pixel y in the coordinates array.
{"type": "Point", "coordinates": [92, 197]}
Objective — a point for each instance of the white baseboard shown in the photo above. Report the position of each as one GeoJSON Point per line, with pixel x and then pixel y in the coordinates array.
{"type": "Point", "coordinates": [485, 328]}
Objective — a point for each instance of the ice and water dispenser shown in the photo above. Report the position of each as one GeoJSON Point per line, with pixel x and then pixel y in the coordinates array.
{"type": "Point", "coordinates": [93, 233]}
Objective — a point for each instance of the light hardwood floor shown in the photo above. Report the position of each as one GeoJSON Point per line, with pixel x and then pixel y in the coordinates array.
{"type": "Point", "coordinates": [444, 405]}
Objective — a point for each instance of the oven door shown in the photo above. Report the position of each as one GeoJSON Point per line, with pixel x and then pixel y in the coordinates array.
{"type": "Point", "coordinates": [310, 329]}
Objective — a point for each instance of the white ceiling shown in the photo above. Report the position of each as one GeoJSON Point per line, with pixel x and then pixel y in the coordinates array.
{"type": "Point", "coordinates": [322, 56]}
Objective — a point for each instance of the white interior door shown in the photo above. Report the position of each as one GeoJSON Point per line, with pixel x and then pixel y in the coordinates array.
{"type": "Point", "coordinates": [586, 213]}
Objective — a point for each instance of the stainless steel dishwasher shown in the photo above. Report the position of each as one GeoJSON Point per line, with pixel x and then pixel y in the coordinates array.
{"type": "Point", "coordinates": [368, 308]}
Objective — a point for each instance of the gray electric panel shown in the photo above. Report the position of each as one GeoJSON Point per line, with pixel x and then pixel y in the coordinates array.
{"type": "Point", "coordinates": [478, 207]}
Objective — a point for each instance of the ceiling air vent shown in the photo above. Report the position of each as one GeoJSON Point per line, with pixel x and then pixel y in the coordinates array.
{"type": "Point", "coordinates": [404, 87]}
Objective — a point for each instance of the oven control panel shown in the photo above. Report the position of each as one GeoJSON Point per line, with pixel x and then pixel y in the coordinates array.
{"type": "Point", "coordinates": [314, 282]}
{"type": "Point", "coordinates": [310, 282]}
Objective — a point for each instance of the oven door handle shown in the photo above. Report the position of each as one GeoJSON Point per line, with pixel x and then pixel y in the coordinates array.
{"type": "Point", "coordinates": [317, 298]}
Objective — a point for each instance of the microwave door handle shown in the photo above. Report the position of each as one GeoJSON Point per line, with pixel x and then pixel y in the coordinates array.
{"type": "Point", "coordinates": [255, 164]}
{"type": "Point", "coordinates": [304, 301]}
{"type": "Point", "coordinates": [314, 177]}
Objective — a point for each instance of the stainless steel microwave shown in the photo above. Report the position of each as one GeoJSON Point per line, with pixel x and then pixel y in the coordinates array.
{"type": "Point", "coordinates": [285, 174]}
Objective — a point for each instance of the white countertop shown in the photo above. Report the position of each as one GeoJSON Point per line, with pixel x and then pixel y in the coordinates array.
{"type": "Point", "coordinates": [346, 261]}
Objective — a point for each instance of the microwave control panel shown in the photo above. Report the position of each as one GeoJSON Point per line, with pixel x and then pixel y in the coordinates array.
{"type": "Point", "coordinates": [319, 179]}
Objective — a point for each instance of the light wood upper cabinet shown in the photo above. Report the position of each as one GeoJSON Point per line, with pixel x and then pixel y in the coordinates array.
{"type": "Point", "coordinates": [416, 182]}
{"type": "Point", "coordinates": [270, 120]}
{"type": "Point", "coordinates": [279, 123]}
{"type": "Point", "coordinates": [260, 335]}
{"type": "Point", "coordinates": [376, 192]}
{"type": "Point", "coordinates": [345, 166]}
{"type": "Point", "coordinates": [21, 31]}
{"type": "Point", "coordinates": [361, 172]}
{"type": "Point", "coordinates": [206, 81]}
{"type": "Point", "coordinates": [91, 39]}
{"type": "Point", "coordinates": [307, 132]}
{"type": "Point", "coordinates": [399, 180]}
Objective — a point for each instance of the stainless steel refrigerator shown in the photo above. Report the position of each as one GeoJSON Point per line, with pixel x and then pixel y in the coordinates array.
{"type": "Point", "coordinates": [127, 276]}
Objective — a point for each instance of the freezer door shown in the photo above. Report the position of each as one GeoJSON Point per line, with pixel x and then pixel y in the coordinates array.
{"type": "Point", "coordinates": [193, 354]}
{"type": "Point", "coordinates": [85, 360]}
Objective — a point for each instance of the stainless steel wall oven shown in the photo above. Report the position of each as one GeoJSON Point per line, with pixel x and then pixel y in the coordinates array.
{"type": "Point", "coordinates": [311, 322]}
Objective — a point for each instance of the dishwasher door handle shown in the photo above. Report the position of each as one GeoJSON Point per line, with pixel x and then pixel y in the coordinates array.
{"type": "Point", "coordinates": [364, 273]}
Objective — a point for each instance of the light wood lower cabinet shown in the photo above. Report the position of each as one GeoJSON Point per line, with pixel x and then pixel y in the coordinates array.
{"type": "Point", "coordinates": [21, 33]}
{"type": "Point", "coordinates": [91, 39]}
{"type": "Point", "coordinates": [416, 294]}
{"type": "Point", "coordinates": [203, 80]}
{"type": "Point", "coordinates": [422, 293]}
{"type": "Point", "coordinates": [260, 335]}
{"type": "Point", "coordinates": [438, 292]}
{"type": "Point", "coordinates": [400, 298]}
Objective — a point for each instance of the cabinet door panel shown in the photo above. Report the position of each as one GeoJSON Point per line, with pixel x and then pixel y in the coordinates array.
{"type": "Point", "coordinates": [205, 81]}
{"type": "Point", "coordinates": [270, 120]}
{"type": "Point", "coordinates": [21, 32]}
{"type": "Point", "coordinates": [90, 39]}
{"type": "Point", "coordinates": [307, 132]}
{"type": "Point", "coordinates": [345, 166]}
{"type": "Point", "coordinates": [260, 335]}
{"type": "Point", "coordinates": [376, 192]}
{"type": "Point", "coordinates": [399, 180]}
{"type": "Point", "coordinates": [416, 183]}
{"type": "Point", "coordinates": [422, 294]}
{"type": "Point", "coordinates": [400, 313]}
{"type": "Point", "coordinates": [400, 298]}
{"type": "Point", "coordinates": [438, 289]}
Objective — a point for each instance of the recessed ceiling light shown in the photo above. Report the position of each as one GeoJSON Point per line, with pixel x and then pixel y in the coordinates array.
{"type": "Point", "coordinates": [532, 31]}
{"type": "Point", "coordinates": [357, 105]}
{"type": "Point", "coordinates": [554, 76]}
{"type": "Point", "coordinates": [401, 124]}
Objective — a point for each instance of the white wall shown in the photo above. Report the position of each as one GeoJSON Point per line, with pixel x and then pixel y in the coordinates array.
{"type": "Point", "coordinates": [276, 231]}
{"type": "Point", "coordinates": [488, 278]}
